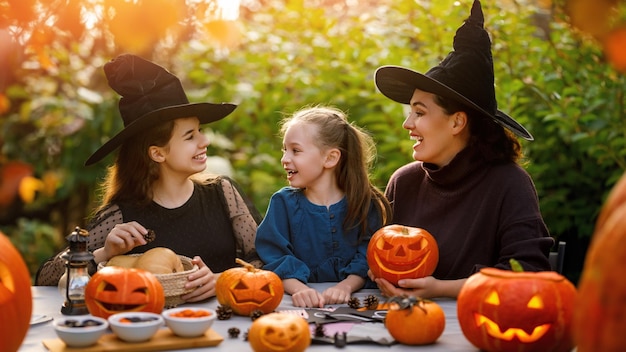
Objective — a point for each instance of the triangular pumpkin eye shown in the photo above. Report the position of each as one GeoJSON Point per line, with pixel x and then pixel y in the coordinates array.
{"type": "Point", "coordinates": [535, 302]}
{"type": "Point", "coordinates": [241, 286]}
{"type": "Point", "coordinates": [493, 298]}
{"type": "Point", "coordinates": [266, 288]}
{"type": "Point", "coordinates": [387, 246]}
{"type": "Point", "coordinates": [109, 287]}
{"type": "Point", "coordinates": [418, 245]}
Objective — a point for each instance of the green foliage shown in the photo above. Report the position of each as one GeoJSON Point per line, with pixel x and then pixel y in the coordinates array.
{"type": "Point", "coordinates": [296, 54]}
{"type": "Point", "coordinates": [561, 88]}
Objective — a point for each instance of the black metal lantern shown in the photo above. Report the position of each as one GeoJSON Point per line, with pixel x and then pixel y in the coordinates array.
{"type": "Point", "coordinates": [72, 284]}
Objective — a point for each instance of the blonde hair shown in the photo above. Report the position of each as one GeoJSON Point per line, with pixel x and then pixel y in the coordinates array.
{"type": "Point", "coordinates": [358, 152]}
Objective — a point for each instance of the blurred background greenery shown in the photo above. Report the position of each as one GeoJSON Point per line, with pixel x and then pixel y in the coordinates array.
{"type": "Point", "coordinates": [559, 68]}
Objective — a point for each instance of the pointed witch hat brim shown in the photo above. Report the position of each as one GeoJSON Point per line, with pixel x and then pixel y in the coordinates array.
{"type": "Point", "coordinates": [150, 96]}
{"type": "Point", "coordinates": [465, 75]}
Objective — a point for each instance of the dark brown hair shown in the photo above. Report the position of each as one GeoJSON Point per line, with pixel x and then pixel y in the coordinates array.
{"type": "Point", "coordinates": [133, 173]}
{"type": "Point", "coordinates": [495, 143]}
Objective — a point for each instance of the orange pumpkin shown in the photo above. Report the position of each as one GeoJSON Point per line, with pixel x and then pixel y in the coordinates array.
{"type": "Point", "coordinates": [398, 252]}
{"type": "Point", "coordinates": [115, 289]}
{"type": "Point", "coordinates": [414, 321]}
{"type": "Point", "coordinates": [15, 296]}
{"type": "Point", "coordinates": [246, 289]}
{"type": "Point", "coordinates": [600, 316]}
{"type": "Point", "coordinates": [276, 332]}
{"type": "Point", "coordinates": [503, 310]}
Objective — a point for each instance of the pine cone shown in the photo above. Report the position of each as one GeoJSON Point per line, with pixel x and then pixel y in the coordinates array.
{"type": "Point", "coordinates": [233, 333]}
{"type": "Point", "coordinates": [256, 314]}
{"type": "Point", "coordinates": [224, 312]}
{"type": "Point", "coordinates": [354, 303]}
{"type": "Point", "coordinates": [319, 330]}
{"type": "Point", "coordinates": [371, 302]}
{"type": "Point", "coordinates": [245, 335]}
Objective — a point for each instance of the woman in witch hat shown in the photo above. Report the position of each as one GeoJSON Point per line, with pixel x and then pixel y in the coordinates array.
{"type": "Point", "coordinates": [154, 183]}
{"type": "Point", "coordinates": [465, 187]}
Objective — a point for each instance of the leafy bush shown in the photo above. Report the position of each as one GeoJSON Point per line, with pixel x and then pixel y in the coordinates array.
{"type": "Point", "coordinates": [295, 54]}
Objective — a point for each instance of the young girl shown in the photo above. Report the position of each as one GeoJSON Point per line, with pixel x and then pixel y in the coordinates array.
{"type": "Point", "coordinates": [317, 230]}
{"type": "Point", "coordinates": [150, 185]}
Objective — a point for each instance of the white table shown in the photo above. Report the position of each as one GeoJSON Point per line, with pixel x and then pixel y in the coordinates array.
{"type": "Point", "coordinates": [47, 301]}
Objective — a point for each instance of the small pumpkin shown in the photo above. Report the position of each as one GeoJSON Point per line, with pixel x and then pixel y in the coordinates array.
{"type": "Point", "coordinates": [276, 332]}
{"type": "Point", "coordinates": [414, 321]}
{"type": "Point", "coordinates": [115, 289]}
{"type": "Point", "coordinates": [246, 289]}
{"type": "Point", "coordinates": [600, 316]}
{"type": "Point", "coordinates": [15, 296]}
{"type": "Point", "coordinates": [398, 252]}
{"type": "Point", "coordinates": [506, 310]}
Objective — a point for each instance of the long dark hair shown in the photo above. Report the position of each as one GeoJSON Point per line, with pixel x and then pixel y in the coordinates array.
{"type": "Point", "coordinates": [133, 173]}
{"type": "Point", "coordinates": [358, 151]}
{"type": "Point", "coordinates": [495, 143]}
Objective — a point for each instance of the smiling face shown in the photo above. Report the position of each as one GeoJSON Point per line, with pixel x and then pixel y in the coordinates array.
{"type": "Point", "coordinates": [185, 153]}
{"type": "Point", "coordinates": [248, 289]}
{"type": "Point", "coordinates": [114, 289]}
{"type": "Point", "coordinates": [438, 136]}
{"type": "Point", "coordinates": [398, 252]}
{"type": "Point", "coordinates": [279, 332]}
{"type": "Point", "coordinates": [303, 160]}
{"type": "Point", "coordinates": [505, 310]}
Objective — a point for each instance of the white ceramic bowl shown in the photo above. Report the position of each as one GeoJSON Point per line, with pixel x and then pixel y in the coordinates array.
{"type": "Point", "coordinates": [189, 326]}
{"type": "Point", "coordinates": [80, 331]}
{"type": "Point", "coordinates": [135, 326]}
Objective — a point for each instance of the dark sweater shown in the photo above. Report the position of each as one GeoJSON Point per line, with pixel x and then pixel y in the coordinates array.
{"type": "Point", "coordinates": [218, 223]}
{"type": "Point", "coordinates": [480, 214]}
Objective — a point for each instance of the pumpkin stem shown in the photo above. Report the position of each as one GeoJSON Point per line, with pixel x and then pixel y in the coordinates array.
{"type": "Point", "coordinates": [516, 266]}
{"type": "Point", "coordinates": [245, 264]}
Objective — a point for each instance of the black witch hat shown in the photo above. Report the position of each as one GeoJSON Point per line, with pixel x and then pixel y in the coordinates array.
{"type": "Point", "coordinates": [465, 75]}
{"type": "Point", "coordinates": [150, 95]}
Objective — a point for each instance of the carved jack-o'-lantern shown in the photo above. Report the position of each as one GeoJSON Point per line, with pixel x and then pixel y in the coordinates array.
{"type": "Point", "coordinates": [247, 288]}
{"type": "Point", "coordinates": [115, 289]}
{"type": "Point", "coordinates": [501, 310]}
{"type": "Point", "coordinates": [279, 332]}
{"type": "Point", "coordinates": [398, 252]}
{"type": "Point", "coordinates": [15, 296]}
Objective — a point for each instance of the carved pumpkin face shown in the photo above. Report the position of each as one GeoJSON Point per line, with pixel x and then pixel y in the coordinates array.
{"type": "Point", "coordinates": [517, 311]}
{"type": "Point", "coordinates": [115, 289]}
{"type": "Point", "coordinates": [400, 252]}
{"type": "Point", "coordinates": [279, 332]}
{"type": "Point", "coordinates": [247, 289]}
{"type": "Point", "coordinates": [15, 296]}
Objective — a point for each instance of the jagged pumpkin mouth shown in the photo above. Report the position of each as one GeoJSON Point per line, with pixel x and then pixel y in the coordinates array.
{"type": "Point", "coordinates": [493, 329]}
{"type": "Point", "coordinates": [119, 307]}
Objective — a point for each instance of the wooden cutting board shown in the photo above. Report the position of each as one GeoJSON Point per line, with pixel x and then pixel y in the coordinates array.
{"type": "Point", "coordinates": [164, 339]}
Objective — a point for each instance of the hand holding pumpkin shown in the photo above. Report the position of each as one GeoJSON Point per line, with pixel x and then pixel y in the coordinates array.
{"type": "Point", "coordinates": [397, 252]}
{"type": "Point", "coordinates": [425, 287]}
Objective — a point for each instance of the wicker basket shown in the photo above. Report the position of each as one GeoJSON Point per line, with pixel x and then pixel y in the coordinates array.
{"type": "Point", "coordinates": [174, 283]}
